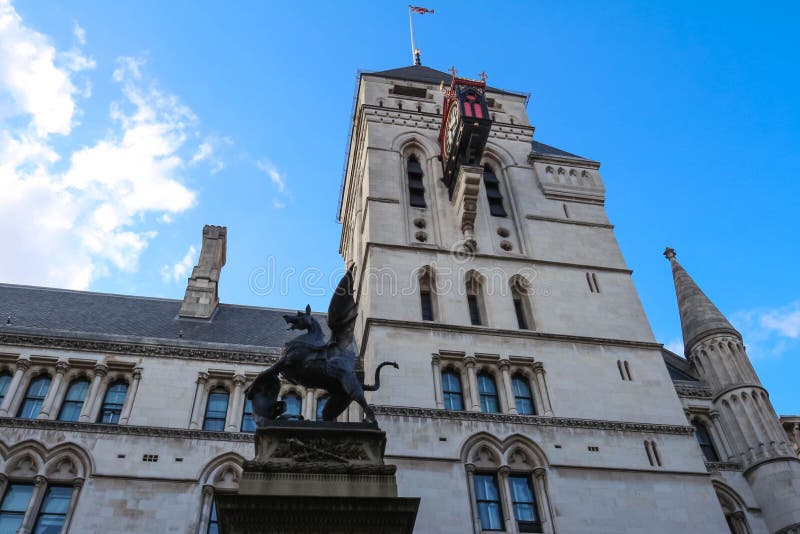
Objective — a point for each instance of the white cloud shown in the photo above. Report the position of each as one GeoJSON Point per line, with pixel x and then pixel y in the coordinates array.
{"type": "Point", "coordinates": [277, 179]}
{"type": "Point", "coordinates": [676, 346]}
{"type": "Point", "coordinates": [278, 204]}
{"type": "Point", "coordinates": [32, 81]}
{"type": "Point", "coordinates": [785, 321]}
{"type": "Point", "coordinates": [180, 270]}
{"type": "Point", "coordinates": [208, 153]}
{"type": "Point", "coordinates": [79, 33]}
{"type": "Point", "coordinates": [76, 214]}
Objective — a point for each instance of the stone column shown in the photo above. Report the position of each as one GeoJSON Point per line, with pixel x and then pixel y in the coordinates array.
{"type": "Point", "coordinates": [722, 437]}
{"type": "Point", "coordinates": [437, 381]}
{"type": "Point", "coordinates": [100, 371]}
{"type": "Point", "coordinates": [543, 500]}
{"type": "Point", "coordinates": [505, 499]}
{"type": "Point", "coordinates": [13, 388]}
{"type": "Point", "coordinates": [508, 387]}
{"type": "Point", "coordinates": [197, 416]}
{"type": "Point", "coordinates": [476, 520]}
{"type": "Point", "coordinates": [538, 369]}
{"type": "Point", "coordinates": [234, 409]}
{"type": "Point", "coordinates": [29, 519]}
{"type": "Point", "coordinates": [131, 397]}
{"type": "Point", "coordinates": [52, 391]}
{"type": "Point", "coordinates": [536, 389]}
{"type": "Point", "coordinates": [308, 405]}
{"type": "Point", "coordinates": [205, 509]}
{"type": "Point", "coordinates": [77, 484]}
{"type": "Point", "coordinates": [474, 398]}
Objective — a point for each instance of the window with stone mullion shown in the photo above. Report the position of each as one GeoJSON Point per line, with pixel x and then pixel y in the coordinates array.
{"type": "Point", "coordinates": [34, 397]}
{"type": "Point", "coordinates": [452, 392]}
{"type": "Point", "coordinates": [487, 391]}
{"type": "Point", "coordinates": [73, 401]}
{"type": "Point", "coordinates": [704, 440]}
{"type": "Point", "coordinates": [13, 506]}
{"type": "Point", "coordinates": [523, 502]}
{"type": "Point", "coordinates": [523, 396]}
{"type": "Point", "coordinates": [53, 512]}
{"type": "Point", "coordinates": [216, 410]}
{"type": "Point", "coordinates": [487, 498]}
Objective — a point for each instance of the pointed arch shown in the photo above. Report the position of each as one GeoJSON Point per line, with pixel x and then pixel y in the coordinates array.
{"type": "Point", "coordinates": [474, 286]}
{"type": "Point", "coordinates": [68, 461]}
{"type": "Point", "coordinates": [404, 140]}
{"type": "Point", "coordinates": [518, 444]}
{"type": "Point", "coordinates": [223, 472]}
{"type": "Point", "coordinates": [482, 445]}
{"type": "Point", "coordinates": [521, 297]}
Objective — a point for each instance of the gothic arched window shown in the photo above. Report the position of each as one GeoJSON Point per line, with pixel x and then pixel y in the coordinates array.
{"type": "Point", "coordinates": [523, 502]}
{"type": "Point", "coordinates": [73, 401]}
{"type": "Point", "coordinates": [474, 298]}
{"type": "Point", "coordinates": [416, 188]}
{"type": "Point", "coordinates": [113, 402]}
{"type": "Point", "coordinates": [487, 390]}
{"type": "Point", "coordinates": [487, 497]}
{"type": "Point", "coordinates": [522, 304]}
{"type": "Point", "coordinates": [34, 397]}
{"type": "Point", "coordinates": [523, 397]}
{"type": "Point", "coordinates": [451, 389]}
{"type": "Point", "coordinates": [248, 423]}
{"type": "Point", "coordinates": [426, 294]}
{"type": "Point", "coordinates": [493, 194]}
{"type": "Point", "coordinates": [704, 439]}
{"type": "Point", "coordinates": [294, 405]}
{"type": "Point", "coordinates": [53, 512]}
{"type": "Point", "coordinates": [216, 410]}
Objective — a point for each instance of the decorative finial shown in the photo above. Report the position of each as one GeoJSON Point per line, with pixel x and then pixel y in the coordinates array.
{"type": "Point", "coordinates": [416, 57]}
{"type": "Point", "coordinates": [669, 253]}
{"type": "Point", "coordinates": [483, 77]}
{"type": "Point", "coordinates": [453, 71]}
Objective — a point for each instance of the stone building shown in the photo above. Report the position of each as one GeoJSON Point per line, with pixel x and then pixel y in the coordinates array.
{"type": "Point", "coordinates": [531, 395]}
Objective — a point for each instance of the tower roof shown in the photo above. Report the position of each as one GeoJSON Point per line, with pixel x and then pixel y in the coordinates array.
{"type": "Point", "coordinates": [423, 74]}
{"type": "Point", "coordinates": [699, 316]}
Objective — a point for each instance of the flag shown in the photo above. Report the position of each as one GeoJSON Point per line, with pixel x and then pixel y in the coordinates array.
{"type": "Point", "coordinates": [420, 10]}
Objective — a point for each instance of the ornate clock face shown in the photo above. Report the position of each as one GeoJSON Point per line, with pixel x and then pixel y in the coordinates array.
{"type": "Point", "coordinates": [450, 128]}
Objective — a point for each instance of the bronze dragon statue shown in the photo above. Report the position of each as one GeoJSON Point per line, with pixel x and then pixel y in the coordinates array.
{"type": "Point", "coordinates": [315, 362]}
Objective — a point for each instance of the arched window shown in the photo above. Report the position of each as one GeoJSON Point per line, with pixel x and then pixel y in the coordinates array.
{"type": "Point", "coordinates": [216, 410]}
{"type": "Point", "coordinates": [5, 380]}
{"type": "Point", "coordinates": [73, 402]}
{"type": "Point", "coordinates": [294, 405]}
{"type": "Point", "coordinates": [522, 305]}
{"type": "Point", "coordinates": [416, 188]}
{"type": "Point", "coordinates": [487, 497]}
{"type": "Point", "coordinates": [425, 294]}
{"type": "Point", "coordinates": [474, 299]}
{"type": "Point", "coordinates": [113, 402]}
{"type": "Point", "coordinates": [493, 194]}
{"type": "Point", "coordinates": [704, 439]}
{"type": "Point", "coordinates": [451, 389]}
{"type": "Point", "coordinates": [487, 390]}
{"type": "Point", "coordinates": [34, 397]}
{"type": "Point", "coordinates": [12, 508]}
{"type": "Point", "coordinates": [53, 512]}
{"type": "Point", "coordinates": [524, 503]}
{"type": "Point", "coordinates": [248, 423]}
{"type": "Point", "coordinates": [523, 398]}
{"type": "Point", "coordinates": [320, 407]}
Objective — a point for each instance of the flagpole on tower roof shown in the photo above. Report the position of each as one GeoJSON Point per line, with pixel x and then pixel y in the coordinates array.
{"type": "Point", "coordinates": [415, 54]}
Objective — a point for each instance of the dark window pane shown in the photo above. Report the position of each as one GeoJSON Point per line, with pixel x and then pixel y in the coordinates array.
{"type": "Point", "coordinates": [248, 423]}
{"type": "Point", "coordinates": [427, 305]}
{"type": "Point", "coordinates": [417, 200]}
{"type": "Point", "coordinates": [704, 439]}
{"type": "Point", "coordinates": [73, 402]}
{"type": "Point", "coordinates": [474, 311]}
{"type": "Point", "coordinates": [451, 387]}
{"type": "Point", "coordinates": [216, 410]}
{"type": "Point", "coordinates": [520, 311]}
{"type": "Point", "coordinates": [416, 188]}
{"type": "Point", "coordinates": [488, 500]}
{"type": "Point", "coordinates": [293, 404]}
{"type": "Point", "coordinates": [487, 390]}
{"type": "Point", "coordinates": [523, 398]}
{"type": "Point", "coordinates": [34, 398]}
{"type": "Point", "coordinates": [12, 508]}
{"type": "Point", "coordinates": [113, 402]}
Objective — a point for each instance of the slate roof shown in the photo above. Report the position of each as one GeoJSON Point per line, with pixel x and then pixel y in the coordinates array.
{"type": "Point", "coordinates": [50, 311]}
{"type": "Point", "coordinates": [423, 74]}
{"type": "Point", "coordinates": [546, 150]}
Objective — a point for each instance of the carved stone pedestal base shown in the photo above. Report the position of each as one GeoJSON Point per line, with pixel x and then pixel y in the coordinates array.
{"type": "Point", "coordinates": [310, 476]}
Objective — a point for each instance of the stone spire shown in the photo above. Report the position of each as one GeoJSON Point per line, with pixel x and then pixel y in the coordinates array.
{"type": "Point", "coordinates": [699, 316]}
{"type": "Point", "coordinates": [202, 295]}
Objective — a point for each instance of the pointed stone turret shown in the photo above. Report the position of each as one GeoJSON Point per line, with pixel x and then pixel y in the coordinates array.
{"type": "Point", "coordinates": [202, 291]}
{"type": "Point", "coordinates": [699, 317]}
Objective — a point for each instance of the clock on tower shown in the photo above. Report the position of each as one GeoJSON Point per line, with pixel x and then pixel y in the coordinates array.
{"type": "Point", "coordinates": [465, 126]}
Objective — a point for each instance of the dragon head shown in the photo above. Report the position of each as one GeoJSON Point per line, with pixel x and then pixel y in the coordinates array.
{"type": "Point", "coordinates": [300, 321]}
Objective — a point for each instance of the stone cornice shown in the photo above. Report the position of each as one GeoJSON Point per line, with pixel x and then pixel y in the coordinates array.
{"type": "Point", "coordinates": [734, 387]}
{"type": "Point", "coordinates": [535, 420]}
{"type": "Point", "coordinates": [146, 347]}
{"type": "Point", "coordinates": [487, 331]}
{"type": "Point", "coordinates": [569, 221]}
{"type": "Point", "coordinates": [512, 258]}
{"type": "Point", "coordinates": [693, 391]}
{"type": "Point", "coordinates": [126, 430]}
{"type": "Point", "coordinates": [723, 466]}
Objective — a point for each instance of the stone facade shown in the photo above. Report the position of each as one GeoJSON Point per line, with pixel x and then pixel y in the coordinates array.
{"type": "Point", "coordinates": [531, 395]}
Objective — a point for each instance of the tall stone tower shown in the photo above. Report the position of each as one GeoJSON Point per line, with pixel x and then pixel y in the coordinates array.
{"type": "Point", "coordinates": [531, 396]}
{"type": "Point", "coordinates": [758, 441]}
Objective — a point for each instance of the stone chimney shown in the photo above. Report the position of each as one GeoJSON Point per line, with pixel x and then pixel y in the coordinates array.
{"type": "Point", "coordinates": [202, 297]}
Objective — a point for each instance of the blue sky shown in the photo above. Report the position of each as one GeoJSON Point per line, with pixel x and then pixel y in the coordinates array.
{"type": "Point", "coordinates": [126, 126]}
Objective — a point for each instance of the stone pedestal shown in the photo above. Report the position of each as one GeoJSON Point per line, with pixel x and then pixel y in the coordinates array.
{"type": "Point", "coordinates": [310, 476]}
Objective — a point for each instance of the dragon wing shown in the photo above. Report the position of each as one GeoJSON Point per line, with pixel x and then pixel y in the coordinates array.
{"type": "Point", "coordinates": [342, 312]}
